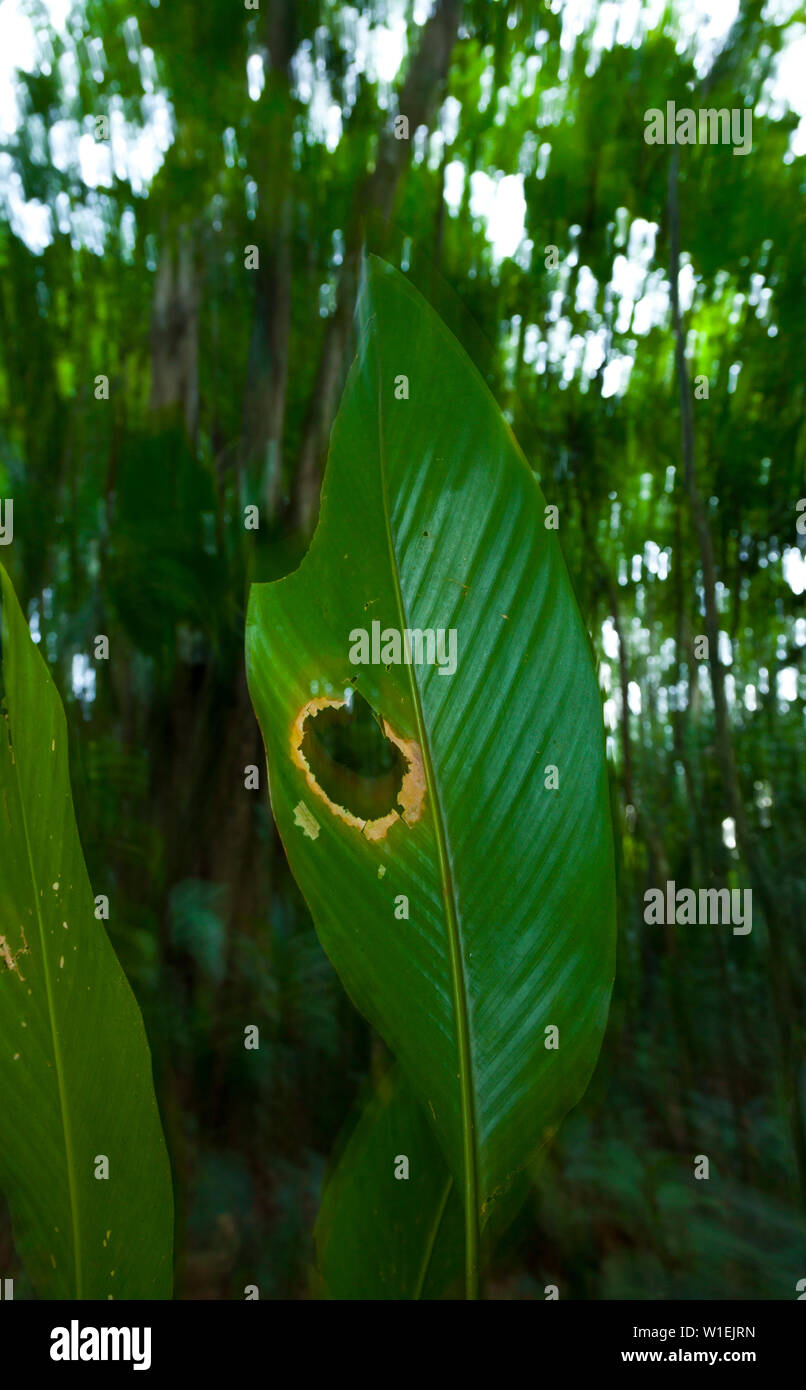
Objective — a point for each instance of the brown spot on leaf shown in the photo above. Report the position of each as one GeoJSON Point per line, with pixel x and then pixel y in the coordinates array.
{"type": "Point", "coordinates": [411, 796]}
{"type": "Point", "coordinates": [10, 957]}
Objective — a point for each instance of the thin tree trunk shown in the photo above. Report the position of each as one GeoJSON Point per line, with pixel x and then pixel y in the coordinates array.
{"type": "Point", "coordinates": [659, 868]}
{"type": "Point", "coordinates": [175, 333]}
{"type": "Point", "coordinates": [264, 405]}
{"type": "Point", "coordinates": [375, 195]}
{"type": "Point", "coordinates": [439, 220]}
{"type": "Point", "coordinates": [680, 718]}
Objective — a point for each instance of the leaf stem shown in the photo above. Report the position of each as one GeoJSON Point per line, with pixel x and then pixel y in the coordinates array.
{"type": "Point", "coordinates": [432, 1240]}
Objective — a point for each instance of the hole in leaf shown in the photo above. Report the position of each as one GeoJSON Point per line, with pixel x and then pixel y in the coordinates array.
{"type": "Point", "coordinates": [353, 761]}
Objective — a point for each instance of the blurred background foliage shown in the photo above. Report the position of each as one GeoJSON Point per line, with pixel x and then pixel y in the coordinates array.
{"type": "Point", "coordinates": [124, 257]}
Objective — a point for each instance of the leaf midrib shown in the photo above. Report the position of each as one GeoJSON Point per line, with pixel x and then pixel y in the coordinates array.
{"type": "Point", "coordinates": [466, 1086]}
{"type": "Point", "coordinates": [57, 1054]}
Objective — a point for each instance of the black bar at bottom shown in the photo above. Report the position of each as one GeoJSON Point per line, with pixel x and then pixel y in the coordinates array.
{"type": "Point", "coordinates": [162, 1339]}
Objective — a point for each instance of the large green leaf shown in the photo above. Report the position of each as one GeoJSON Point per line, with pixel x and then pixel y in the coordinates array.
{"type": "Point", "coordinates": [431, 519]}
{"type": "Point", "coordinates": [75, 1069]}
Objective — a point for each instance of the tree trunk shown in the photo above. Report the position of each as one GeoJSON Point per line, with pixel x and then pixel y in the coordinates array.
{"type": "Point", "coordinates": [175, 333]}
{"type": "Point", "coordinates": [264, 404]}
{"type": "Point", "coordinates": [375, 195]}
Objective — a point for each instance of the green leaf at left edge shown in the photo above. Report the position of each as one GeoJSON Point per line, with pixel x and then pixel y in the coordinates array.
{"type": "Point", "coordinates": [432, 520]}
{"type": "Point", "coordinates": [75, 1068]}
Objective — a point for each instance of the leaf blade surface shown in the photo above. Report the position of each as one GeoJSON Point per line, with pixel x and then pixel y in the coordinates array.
{"type": "Point", "coordinates": [75, 1068]}
{"type": "Point", "coordinates": [431, 520]}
